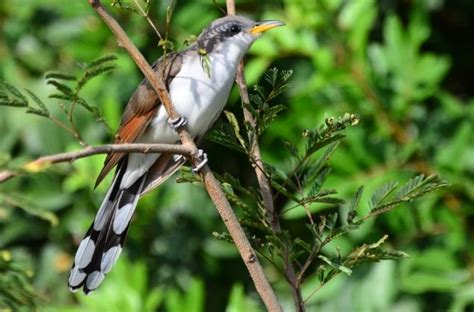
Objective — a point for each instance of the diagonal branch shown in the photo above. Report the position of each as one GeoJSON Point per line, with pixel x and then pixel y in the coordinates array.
{"type": "Point", "coordinates": [212, 185]}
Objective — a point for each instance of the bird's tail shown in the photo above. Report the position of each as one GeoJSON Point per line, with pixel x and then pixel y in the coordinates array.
{"type": "Point", "coordinates": [102, 245]}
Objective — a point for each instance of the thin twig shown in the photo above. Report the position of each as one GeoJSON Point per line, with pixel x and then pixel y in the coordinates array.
{"type": "Point", "coordinates": [212, 185]}
{"type": "Point", "coordinates": [255, 154]}
{"type": "Point", "coordinates": [230, 6]}
{"type": "Point", "coordinates": [314, 252]}
{"type": "Point", "coordinates": [75, 133]}
{"type": "Point", "coordinates": [62, 125]}
{"type": "Point", "coordinates": [44, 161]}
{"type": "Point", "coordinates": [145, 15]}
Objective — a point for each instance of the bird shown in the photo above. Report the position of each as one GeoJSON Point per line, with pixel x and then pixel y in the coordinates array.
{"type": "Point", "coordinates": [198, 79]}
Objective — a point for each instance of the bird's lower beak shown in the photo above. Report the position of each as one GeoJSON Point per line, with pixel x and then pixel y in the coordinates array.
{"type": "Point", "coordinates": [260, 27]}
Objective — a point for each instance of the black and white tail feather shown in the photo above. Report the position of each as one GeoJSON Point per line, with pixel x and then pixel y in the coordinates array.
{"type": "Point", "coordinates": [103, 242]}
{"type": "Point", "coordinates": [101, 246]}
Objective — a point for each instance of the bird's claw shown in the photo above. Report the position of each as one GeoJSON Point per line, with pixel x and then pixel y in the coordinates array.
{"type": "Point", "coordinates": [202, 157]}
{"type": "Point", "coordinates": [177, 122]}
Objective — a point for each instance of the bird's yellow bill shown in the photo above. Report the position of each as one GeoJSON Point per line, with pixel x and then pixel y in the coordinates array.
{"type": "Point", "coordinates": [264, 26]}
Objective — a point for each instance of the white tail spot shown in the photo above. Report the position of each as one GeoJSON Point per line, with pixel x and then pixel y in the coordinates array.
{"type": "Point", "coordinates": [75, 278]}
{"type": "Point", "coordinates": [84, 253]}
{"type": "Point", "coordinates": [123, 216]}
{"type": "Point", "coordinates": [94, 279]}
{"type": "Point", "coordinates": [110, 258]}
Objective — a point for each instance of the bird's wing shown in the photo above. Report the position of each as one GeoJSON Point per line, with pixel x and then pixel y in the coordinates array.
{"type": "Point", "coordinates": [164, 167]}
{"type": "Point", "coordinates": [161, 170]}
{"type": "Point", "coordinates": [141, 109]}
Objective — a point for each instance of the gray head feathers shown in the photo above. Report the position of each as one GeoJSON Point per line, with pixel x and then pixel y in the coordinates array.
{"type": "Point", "coordinates": [222, 28]}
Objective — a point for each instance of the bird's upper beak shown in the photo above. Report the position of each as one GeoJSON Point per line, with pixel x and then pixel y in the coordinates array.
{"type": "Point", "coordinates": [260, 27]}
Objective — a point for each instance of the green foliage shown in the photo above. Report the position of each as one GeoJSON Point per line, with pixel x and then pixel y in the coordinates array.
{"type": "Point", "coordinates": [230, 134]}
{"type": "Point", "coordinates": [16, 291]}
{"type": "Point", "coordinates": [11, 96]}
{"type": "Point", "coordinates": [14, 98]}
{"type": "Point", "coordinates": [416, 187]}
{"type": "Point", "coordinates": [301, 183]}
{"type": "Point", "coordinates": [413, 121]}
{"type": "Point", "coordinates": [141, 7]}
{"type": "Point", "coordinates": [90, 70]}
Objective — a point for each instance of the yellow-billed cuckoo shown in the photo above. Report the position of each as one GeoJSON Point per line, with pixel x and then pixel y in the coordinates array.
{"type": "Point", "coordinates": [198, 89]}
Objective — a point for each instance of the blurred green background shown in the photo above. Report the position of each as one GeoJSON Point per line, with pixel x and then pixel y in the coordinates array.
{"type": "Point", "coordinates": [405, 67]}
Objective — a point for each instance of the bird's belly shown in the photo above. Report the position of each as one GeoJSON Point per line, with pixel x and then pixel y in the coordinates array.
{"type": "Point", "coordinates": [196, 97]}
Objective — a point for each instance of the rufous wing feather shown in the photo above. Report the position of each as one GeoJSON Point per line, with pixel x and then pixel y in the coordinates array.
{"type": "Point", "coordinates": [140, 110]}
{"type": "Point", "coordinates": [126, 134]}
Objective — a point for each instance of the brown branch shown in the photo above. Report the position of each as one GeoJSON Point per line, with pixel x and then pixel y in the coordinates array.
{"type": "Point", "coordinates": [255, 154]}
{"type": "Point", "coordinates": [230, 6]}
{"type": "Point", "coordinates": [265, 191]}
{"type": "Point", "coordinates": [39, 164]}
{"type": "Point", "coordinates": [212, 186]}
{"type": "Point", "coordinates": [263, 182]}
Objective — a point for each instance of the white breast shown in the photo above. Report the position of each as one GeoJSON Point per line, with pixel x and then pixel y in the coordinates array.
{"type": "Point", "coordinates": [197, 96]}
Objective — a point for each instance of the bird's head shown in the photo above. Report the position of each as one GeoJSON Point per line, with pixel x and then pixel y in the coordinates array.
{"type": "Point", "coordinates": [233, 30]}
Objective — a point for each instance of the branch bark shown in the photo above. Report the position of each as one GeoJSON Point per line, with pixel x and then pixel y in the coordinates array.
{"type": "Point", "coordinates": [38, 164]}
{"type": "Point", "coordinates": [263, 182]}
{"type": "Point", "coordinates": [212, 185]}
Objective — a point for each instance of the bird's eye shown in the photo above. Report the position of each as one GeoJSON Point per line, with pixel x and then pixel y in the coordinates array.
{"type": "Point", "coordinates": [234, 29]}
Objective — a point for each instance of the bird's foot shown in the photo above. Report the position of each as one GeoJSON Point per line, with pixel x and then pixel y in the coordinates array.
{"type": "Point", "coordinates": [202, 157]}
{"type": "Point", "coordinates": [177, 122]}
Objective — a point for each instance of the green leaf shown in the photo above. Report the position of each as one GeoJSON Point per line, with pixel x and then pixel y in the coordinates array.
{"type": "Point", "coordinates": [8, 101]}
{"type": "Point", "coordinates": [412, 185]}
{"type": "Point", "coordinates": [302, 243]}
{"type": "Point", "coordinates": [16, 291]}
{"type": "Point", "coordinates": [166, 45]}
{"type": "Point", "coordinates": [14, 91]}
{"type": "Point", "coordinates": [62, 88]}
{"type": "Point", "coordinates": [354, 204]}
{"type": "Point", "coordinates": [122, 4]}
{"type": "Point", "coordinates": [206, 64]}
{"type": "Point", "coordinates": [93, 72]}
{"type": "Point", "coordinates": [17, 201]}
{"type": "Point", "coordinates": [271, 76]}
{"type": "Point", "coordinates": [187, 176]}
{"type": "Point", "coordinates": [283, 190]}
{"type": "Point", "coordinates": [90, 108]}
{"type": "Point", "coordinates": [286, 74]}
{"type": "Point", "coordinates": [38, 102]}
{"type": "Point", "coordinates": [336, 266]}
{"type": "Point", "coordinates": [414, 188]}
{"type": "Point", "coordinates": [36, 111]}
{"type": "Point", "coordinates": [268, 116]}
{"type": "Point", "coordinates": [292, 149]}
{"type": "Point", "coordinates": [223, 134]}
{"type": "Point", "coordinates": [235, 126]}
{"type": "Point", "coordinates": [60, 97]}
{"type": "Point", "coordinates": [316, 169]}
{"type": "Point", "coordinates": [59, 76]}
{"type": "Point", "coordinates": [381, 193]}
{"type": "Point", "coordinates": [235, 183]}
{"type": "Point", "coordinates": [223, 237]}
{"type": "Point", "coordinates": [102, 60]}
